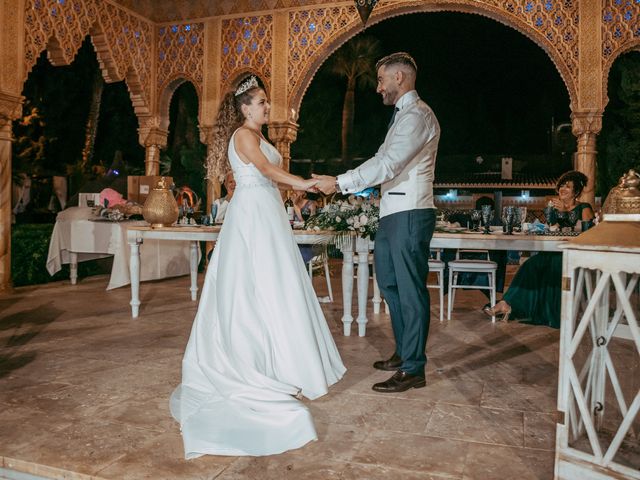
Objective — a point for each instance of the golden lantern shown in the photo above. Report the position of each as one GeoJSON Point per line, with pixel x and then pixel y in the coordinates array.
{"type": "Point", "coordinates": [160, 209]}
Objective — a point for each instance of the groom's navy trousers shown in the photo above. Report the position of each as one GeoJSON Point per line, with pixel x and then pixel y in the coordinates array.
{"type": "Point", "coordinates": [402, 266]}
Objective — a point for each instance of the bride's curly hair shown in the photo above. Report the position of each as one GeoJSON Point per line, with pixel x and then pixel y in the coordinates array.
{"type": "Point", "coordinates": [229, 118]}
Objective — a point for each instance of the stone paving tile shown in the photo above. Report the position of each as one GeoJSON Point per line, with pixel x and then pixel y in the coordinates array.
{"type": "Point", "coordinates": [540, 430]}
{"type": "Point", "coordinates": [286, 466]}
{"type": "Point", "coordinates": [476, 424]}
{"type": "Point", "coordinates": [353, 471]}
{"type": "Point", "coordinates": [86, 447]}
{"type": "Point", "coordinates": [162, 457]}
{"type": "Point", "coordinates": [439, 456]}
{"type": "Point", "coordinates": [492, 462]}
{"type": "Point", "coordinates": [20, 425]}
{"type": "Point", "coordinates": [536, 398]}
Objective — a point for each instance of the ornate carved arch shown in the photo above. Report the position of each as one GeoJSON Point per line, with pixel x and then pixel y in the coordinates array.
{"type": "Point", "coordinates": [620, 34]}
{"type": "Point", "coordinates": [122, 42]}
{"type": "Point", "coordinates": [315, 33]}
{"type": "Point", "coordinates": [165, 96]}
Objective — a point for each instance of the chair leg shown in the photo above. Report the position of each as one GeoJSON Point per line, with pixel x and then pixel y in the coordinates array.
{"type": "Point", "coordinates": [453, 289]}
{"type": "Point", "coordinates": [450, 290]}
{"type": "Point", "coordinates": [492, 279]}
{"type": "Point", "coordinates": [441, 291]}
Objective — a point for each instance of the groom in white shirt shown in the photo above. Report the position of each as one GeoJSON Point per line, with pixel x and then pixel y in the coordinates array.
{"type": "Point", "coordinates": [404, 166]}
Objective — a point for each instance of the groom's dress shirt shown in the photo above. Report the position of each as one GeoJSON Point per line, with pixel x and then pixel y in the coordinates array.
{"type": "Point", "coordinates": [405, 162]}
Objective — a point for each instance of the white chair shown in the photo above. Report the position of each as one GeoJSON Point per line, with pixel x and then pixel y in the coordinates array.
{"type": "Point", "coordinates": [437, 266]}
{"type": "Point", "coordinates": [460, 265]}
{"type": "Point", "coordinates": [322, 261]}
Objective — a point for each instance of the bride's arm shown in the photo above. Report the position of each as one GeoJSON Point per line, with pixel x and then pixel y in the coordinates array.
{"type": "Point", "coordinates": [247, 145]}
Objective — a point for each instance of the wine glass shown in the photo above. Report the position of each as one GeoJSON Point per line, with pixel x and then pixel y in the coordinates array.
{"type": "Point", "coordinates": [522, 216]}
{"type": "Point", "coordinates": [550, 215]}
{"type": "Point", "coordinates": [476, 216]}
{"type": "Point", "coordinates": [508, 214]}
{"type": "Point", "coordinates": [487, 217]}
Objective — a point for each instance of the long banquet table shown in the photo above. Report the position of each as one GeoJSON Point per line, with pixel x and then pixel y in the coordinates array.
{"type": "Point", "coordinates": [78, 235]}
{"type": "Point", "coordinates": [193, 234]}
{"type": "Point", "coordinates": [355, 250]}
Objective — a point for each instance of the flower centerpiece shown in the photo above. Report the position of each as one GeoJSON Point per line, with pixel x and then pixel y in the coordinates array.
{"type": "Point", "coordinates": [355, 214]}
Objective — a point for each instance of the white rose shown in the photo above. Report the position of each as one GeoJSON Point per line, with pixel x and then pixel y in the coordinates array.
{"type": "Point", "coordinates": [364, 219]}
{"type": "Point", "coordinates": [338, 219]}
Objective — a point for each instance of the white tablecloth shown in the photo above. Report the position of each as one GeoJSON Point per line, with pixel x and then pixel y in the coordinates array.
{"type": "Point", "coordinates": [75, 233]}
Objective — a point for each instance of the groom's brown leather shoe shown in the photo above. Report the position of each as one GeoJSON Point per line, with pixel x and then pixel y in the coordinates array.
{"type": "Point", "coordinates": [399, 382]}
{"type": "Point", "coordinates": [391, 365]}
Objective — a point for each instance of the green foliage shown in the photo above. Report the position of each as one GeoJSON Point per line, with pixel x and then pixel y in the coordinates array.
{"type": "Point", "coordinates": [29, 250]}
{"type": "Point", "coordinates": [619, 141]}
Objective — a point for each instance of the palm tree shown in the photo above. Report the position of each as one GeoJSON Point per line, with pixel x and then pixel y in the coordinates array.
{"type": "Point", "coordinates": [355, 61]}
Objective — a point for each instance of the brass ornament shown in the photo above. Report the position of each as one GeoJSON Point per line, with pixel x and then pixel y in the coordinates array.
{"type": "Point", "coordinates": [160, 209]}
{"type": "Point", "coordinates": [624, 198]}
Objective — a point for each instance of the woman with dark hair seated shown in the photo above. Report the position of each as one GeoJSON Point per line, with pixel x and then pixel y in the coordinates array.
{"type": "Point", "coordinates": [535, 291]}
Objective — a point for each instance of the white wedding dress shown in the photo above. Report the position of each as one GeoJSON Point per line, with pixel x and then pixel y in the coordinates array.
{"type": "Point", "coordinates": [259, 337]}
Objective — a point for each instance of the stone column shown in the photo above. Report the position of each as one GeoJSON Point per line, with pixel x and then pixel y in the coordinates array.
{"type": "Point", "coordinates": [586, 125]}
{"type": "Point", "coordinates": [10, 109]}
{"type": "Point", "coordinates": [213, 184]}
{"type": "Point", "coordinates": [155, 139]}
{"type": "Point", "coordinates": [283, 134]}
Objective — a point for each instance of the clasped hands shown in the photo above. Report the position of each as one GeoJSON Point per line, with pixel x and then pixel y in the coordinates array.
{"type": "Point", "coordinates": [320, 183]}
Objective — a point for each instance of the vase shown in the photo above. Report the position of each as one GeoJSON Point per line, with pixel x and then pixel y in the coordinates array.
{"type": "Point", "coordinates": [160, 209]}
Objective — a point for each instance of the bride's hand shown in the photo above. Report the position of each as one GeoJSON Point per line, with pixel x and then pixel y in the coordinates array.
{"type": "Point", "coordinates": [309, 184]}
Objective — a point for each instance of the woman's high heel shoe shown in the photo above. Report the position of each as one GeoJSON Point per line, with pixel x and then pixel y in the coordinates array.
{"type": "Point", "coordinates": [500, 314]}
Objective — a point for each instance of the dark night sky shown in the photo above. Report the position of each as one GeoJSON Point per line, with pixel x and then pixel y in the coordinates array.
{"type": "Point", "coordinates": [493, 90]}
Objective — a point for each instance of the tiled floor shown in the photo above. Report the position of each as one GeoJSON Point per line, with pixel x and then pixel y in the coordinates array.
{"type": "Point", "coordinates": [84, 388]}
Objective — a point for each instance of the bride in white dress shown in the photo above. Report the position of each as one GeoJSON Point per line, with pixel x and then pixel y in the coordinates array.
{"type": "Point", "coordinates": [259, 340]}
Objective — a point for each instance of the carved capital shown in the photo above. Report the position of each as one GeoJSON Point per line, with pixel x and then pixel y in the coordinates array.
{"type": "Point", "coordinates": [286, 132]}
{"type": "Point", "coordinates": [153, 136]}
{"type": "Point", "coordinates": [586, 122]}
{"type": "Point", "coordinates": [206, 131]}
{"type": "Point", "coordinates": [10, 107]}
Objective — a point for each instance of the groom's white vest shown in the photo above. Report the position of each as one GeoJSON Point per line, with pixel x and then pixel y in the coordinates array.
{"type": "Point", "coordinates": [405, 163]}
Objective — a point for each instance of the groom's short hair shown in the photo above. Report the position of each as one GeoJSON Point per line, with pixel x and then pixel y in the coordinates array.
{"type": "Point", "coordinates": [398, 58]}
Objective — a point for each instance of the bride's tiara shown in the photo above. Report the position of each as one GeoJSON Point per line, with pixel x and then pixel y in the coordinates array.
{"type": "Point", "coordinates": [247, 84]}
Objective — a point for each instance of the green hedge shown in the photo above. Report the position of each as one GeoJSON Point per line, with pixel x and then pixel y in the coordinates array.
{"type": "Point", "coordinates": [29, 250]}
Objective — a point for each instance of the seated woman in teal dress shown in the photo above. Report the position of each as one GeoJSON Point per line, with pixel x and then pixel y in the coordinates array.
{"type": "Point", "coordinates": [534, 294]}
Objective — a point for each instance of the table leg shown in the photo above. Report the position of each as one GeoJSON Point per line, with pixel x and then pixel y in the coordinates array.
{"type": "Point", "coordinates": [194, 270]}
{"type": "Point", "coordinates": [134, 270]}
{"type": "Point", "coordinates": [347, 289]}
{"type": "Point", "coordinates": [362, 247]}
{"type": "Point", "coordinates": [73, 267]}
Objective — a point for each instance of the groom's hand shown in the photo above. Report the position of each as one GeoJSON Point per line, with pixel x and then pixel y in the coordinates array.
{"type": "Point", "coordinates": [326, 183]}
